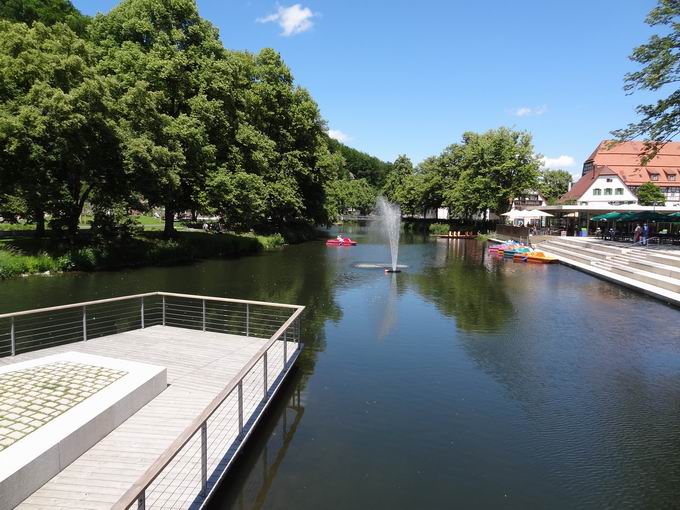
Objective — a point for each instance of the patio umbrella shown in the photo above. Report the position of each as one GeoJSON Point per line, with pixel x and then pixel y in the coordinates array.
{"type": "Point", "coordinates": [535, 213]}
{"type": "Point", "coordinates": [610, 216]}
{"type": "Point", "coordinates": [645, 216]}
{"type": "Point", "coordinates": [514, 214]}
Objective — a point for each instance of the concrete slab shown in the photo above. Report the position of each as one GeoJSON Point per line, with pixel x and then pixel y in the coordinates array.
{"type": "Point", "coordinates": [75, 400]}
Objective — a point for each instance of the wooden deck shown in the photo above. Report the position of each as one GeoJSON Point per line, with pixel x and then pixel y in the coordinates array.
{"type": "Point", "coordinates": [199, 365]}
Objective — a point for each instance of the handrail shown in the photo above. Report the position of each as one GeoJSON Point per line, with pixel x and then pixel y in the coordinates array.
{"type": "Point", "coordinates": [75, 305]}
{"type": "Point", "coordinates": [133, 493]}
{"type": "Point", "coordinates": [138, 296]}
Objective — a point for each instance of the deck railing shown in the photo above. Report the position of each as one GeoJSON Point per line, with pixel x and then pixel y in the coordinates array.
{"type": "Point", "coordinates": [47, 327]}
{"type": "Point", "coordinates": [190, 468]}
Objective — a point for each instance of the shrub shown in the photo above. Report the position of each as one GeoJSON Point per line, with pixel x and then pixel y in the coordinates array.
{"type": "Point", "coordinates": [439, 228]}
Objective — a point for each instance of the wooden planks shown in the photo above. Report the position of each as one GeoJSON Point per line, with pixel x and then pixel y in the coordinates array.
{"type": "Point", "coordinates": [199, 365]}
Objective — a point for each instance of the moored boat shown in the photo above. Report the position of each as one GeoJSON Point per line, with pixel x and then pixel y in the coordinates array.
{"type": "Point", "coordinates": [535, 256]}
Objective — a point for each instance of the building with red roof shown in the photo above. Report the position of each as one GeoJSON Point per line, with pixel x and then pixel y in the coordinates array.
{"type": "Point", "coordinates": [614, 171]}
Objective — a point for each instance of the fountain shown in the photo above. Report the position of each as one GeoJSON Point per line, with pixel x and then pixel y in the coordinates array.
{"type": "Point", "coordinates": [390, 219]}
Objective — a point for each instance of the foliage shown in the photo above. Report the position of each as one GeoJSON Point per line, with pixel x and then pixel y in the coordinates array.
{"type": "Point", "coordinates": [650, 194]}
{"type": "Point", "coordinates": [239, 198]}
{"type": "Point", "coordinates": [401, 169]}
{"type": "Point", "coordinates": [345, 195]}
{"type": "Point", "coordinates": [660, 61]}
{"type": "Point", "coordinates": [58, 138]}
{"type": "Point", "coordinates": [47, 12]}
{"type": "Point", "coordinates": [359, 165]}
{"type": "Point", "coordinates": [554, 183]}
{"type": "Point", "coordinates": [439, 228]}
{"type": "Point", "coordinates": [18, 257]}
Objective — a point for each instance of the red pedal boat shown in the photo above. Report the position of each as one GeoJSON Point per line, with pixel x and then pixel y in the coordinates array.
{"type": "Point", "coordinates": [345, 242]}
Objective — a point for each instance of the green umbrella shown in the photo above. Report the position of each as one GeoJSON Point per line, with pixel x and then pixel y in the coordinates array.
{"type": "Point", "coordinates": [645, 216]}
{"type": "Point", "coordinates": [610, 216]}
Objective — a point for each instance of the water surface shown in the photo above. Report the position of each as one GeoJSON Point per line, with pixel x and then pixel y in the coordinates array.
{"type": "Point", "coordinates": [464, 381]}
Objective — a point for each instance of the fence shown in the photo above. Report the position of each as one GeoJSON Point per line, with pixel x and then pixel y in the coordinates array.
{"type": "Point", "coordinates": [512, 232]}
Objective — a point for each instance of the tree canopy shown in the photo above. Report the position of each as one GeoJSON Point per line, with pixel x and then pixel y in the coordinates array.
{"type": "Point", "coordinates": [554, 183]}
{"type": "Point", "coordinates": [660, 71]}
{"type": "Point", "coordinates": [47, 12]}
{"type": "Point", "coordinates": [650, 194]}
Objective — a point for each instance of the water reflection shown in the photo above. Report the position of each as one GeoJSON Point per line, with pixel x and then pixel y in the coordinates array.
{"type": "Point", "coordinates": [251, 479]}
{"type": "Point", "coordinates": [463, 287]}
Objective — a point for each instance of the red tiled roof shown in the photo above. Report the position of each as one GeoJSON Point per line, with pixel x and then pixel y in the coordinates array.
{"type": "Point", "coordinates": [624, 160]}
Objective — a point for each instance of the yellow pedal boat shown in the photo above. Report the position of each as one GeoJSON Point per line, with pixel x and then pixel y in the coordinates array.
{"type": "Point", "coordinates": [535, 256]}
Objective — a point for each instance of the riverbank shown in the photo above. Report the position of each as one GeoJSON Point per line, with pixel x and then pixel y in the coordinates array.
{"type": "Point", "coordinates": [23, 255]}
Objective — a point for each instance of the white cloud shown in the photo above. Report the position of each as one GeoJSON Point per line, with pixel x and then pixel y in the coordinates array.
{"type": "Point", "coordinates": [338, 135]}
{"type": "Point", "coordinates": [558, 162]}
{"type": "Point", "coordinates": [529, 111]}
{"type": "Point", "coordinates": [293, 20]}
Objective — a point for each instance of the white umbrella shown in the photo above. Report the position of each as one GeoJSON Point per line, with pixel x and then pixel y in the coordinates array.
{"type": "Point", "coordinates": [514, 214]}
{"type": "Point", "coordinates": [535, 213]}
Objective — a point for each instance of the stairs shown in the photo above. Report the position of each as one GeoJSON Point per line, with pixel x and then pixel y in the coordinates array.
{"type": "Point", "coordinates": [652, 271]}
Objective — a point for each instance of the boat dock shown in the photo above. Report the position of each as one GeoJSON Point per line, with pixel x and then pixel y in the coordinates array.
{"type": "Point", "coordinates": [225, 360]}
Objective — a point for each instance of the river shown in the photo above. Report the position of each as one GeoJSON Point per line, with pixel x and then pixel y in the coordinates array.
{"type": "Point", "coordinates": [465, 381]}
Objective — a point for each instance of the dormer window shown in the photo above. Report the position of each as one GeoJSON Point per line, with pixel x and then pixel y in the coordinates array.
{"type": "Point", "coordinates": [671, 177]}
{"type": "Point", "coordinates": [654, 177]}
{"type": "Point", "coordinates": [587, 167]}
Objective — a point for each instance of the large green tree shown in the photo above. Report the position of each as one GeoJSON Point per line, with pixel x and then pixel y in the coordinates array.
{"type": "Point", "coordinates": [660, 72]}
{"type": "Point", "coordinates": [360, 165]}
{"type": "Point", "coordinates": [156, 53]}
{"type": "Point", "coordinates": [495, 167]}
{"type": "Point", "coordinates": [58, 142]}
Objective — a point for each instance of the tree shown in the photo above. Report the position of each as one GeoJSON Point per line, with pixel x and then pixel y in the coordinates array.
{"type": "Point", "coordinates": [650, 194]}
{"type": "Point", "coordinates": [660, 60]}
{"type": "Point", "coordinates": [155, 52]}
{"type": "Point", "coordinates": [59, 143]}
{"type": "Point", "coordinates": [47, 12]}
{"type": "Point", "coordinates": [359, 165]}
{"type": "Point", "coordinates": [401, 169]}
{"type": "Point", "coordinates": [554, 183]}
{"type": "Point", "coordinates": [494, 167]}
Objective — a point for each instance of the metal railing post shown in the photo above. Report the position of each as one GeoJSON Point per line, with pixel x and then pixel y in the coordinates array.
{"type": "Point", "coordinates": [285, 347]}
{"type": "Point", "coordinates": [163, 304]}
{"type": "Point", "coordinates": [84, 323]}
{"type": "Point", "coordinates": [11, 337]}
{"type": "Point", "coordinates": [203, 314]}
{"type": "Point", "coordinates": [204, 458]}
{"type": "Point", "coordinates": [141, 501]}
{"type": "Point", "coordinates": [240, 407]}
{"type": "Point", "coordinates": [142, 311]}
{"type": "Point", "coordinates": [247, 320]}
{"type": "Point", "coordinates": [266, 386]}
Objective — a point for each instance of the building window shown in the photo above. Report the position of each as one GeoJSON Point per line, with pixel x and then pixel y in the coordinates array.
{"type": "Point", "coordinates": [597, 191]}
{"type": "Point", "coordinates": [619, 191]}
{"type": "Point", "coordinates": [587, 167]}
{"type": "Point", "coordinates": [607, 191]}
{"type": "Point", "coordinates": [609, 179]}
{"type": "Point", "coordinates": [671, 177]}
{"type": "Point", "coordinates": [654, 177]}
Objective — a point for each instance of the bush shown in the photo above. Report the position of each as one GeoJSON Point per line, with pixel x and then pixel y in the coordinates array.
{"type": "Point", "coordinates": [439, 228]}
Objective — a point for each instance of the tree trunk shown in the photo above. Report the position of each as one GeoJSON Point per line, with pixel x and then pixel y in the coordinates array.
{"type": "Point", "coordinates": [169, 230]}
{"type": "Point", "coordinates": [39, 222]}
{"type": "Point", "coordinates": [194, 215]}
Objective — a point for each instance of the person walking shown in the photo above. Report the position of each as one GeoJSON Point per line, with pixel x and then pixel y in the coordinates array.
{"type": "Point", "coordinates": [645, 234]}
{"type": "Point", "coordinates": [637, 233]}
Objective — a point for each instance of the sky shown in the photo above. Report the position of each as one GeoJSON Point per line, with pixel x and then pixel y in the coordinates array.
{"type": "Point", "coordinates": [396, 77]}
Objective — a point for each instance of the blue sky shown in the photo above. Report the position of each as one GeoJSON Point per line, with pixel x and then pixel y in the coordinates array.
{"type": "Point", "coordinates": [396, 77]}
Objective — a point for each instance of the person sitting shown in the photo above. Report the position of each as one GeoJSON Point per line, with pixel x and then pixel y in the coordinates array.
{"type": "Point", "coordinates": [340, 238]}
